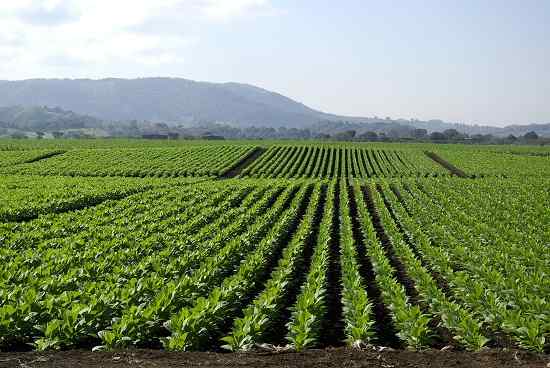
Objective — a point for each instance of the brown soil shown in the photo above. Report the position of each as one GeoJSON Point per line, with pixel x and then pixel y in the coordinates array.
{"type": "Point", "coordinates": [340, 357]}
{"type": "Point", "coordinates": [244, 163]}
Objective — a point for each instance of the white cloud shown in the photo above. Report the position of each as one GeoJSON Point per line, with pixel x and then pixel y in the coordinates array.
{"type": "Point", "coordinates": [229, 9]}
{"type": "Point", "coordinates": [70, 37]}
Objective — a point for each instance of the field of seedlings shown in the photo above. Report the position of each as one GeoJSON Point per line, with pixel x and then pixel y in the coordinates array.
{"type": "Point", "coordinates": [340, 161]}
{"type": "Point", "coordinates": [275, 246]}
{"type": "Point", "coordinates": [132, 162]}
{"type": "Point", "coordinates": [500, 163]}
{"type": "Point", "coordinates": [10, 158]}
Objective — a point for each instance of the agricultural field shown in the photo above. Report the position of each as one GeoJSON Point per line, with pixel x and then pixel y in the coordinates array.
{"type": "Point", "coordinates": [10, 158]}
{"type": "Point", "coordinates": [275, 245]}
{"type": "Point", "coordinates": [147, 162]}
{"type": "Point", "coordinates": [27, 197]}
{"type": "Point", "coordinates": [501, 163]}
{"type": "Point", "coordinates": [339, 161]}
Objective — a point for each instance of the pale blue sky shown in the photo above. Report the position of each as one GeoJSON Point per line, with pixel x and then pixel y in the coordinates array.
{"type": "Point", "coordinates": [464, 61]}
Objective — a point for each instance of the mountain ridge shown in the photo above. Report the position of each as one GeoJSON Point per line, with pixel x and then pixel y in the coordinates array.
{"type": "Point", "coordinates": [179, 100]}
{"type": "Point", "coordinates": [163, 99]}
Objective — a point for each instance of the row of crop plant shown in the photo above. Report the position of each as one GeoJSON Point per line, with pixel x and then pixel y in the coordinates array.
{"type": "Point", "coordinates": [333, 161]}
{"type": "Point", "coordinates": [27, 197]}
{"type": "Point", "coordinates": [138, 162]}
{"type": "Point", "coordinates": [239, 263]}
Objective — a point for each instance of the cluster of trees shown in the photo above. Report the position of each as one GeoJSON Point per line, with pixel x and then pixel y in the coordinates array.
{"type": "Point", "coordinates": [447, 136]}
{"type": "Point", "coordinates": [324, 130]}
{"type": "Point", "coordinates": [452, 135]}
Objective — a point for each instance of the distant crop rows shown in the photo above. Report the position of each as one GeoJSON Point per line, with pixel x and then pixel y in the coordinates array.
{"type": "Point", "coordinates": [290, 161]}
{"type": "Point", "coordinates": [7, 144]}
{"type": "Point", "coordinates": [10, 158]}
{"type": "Point", "coordinates": [27, 197]}
{"type": "Point", "coordinates": [512, 163]}
{"type": "Point", "coordinates": [231, 264]}
{"type": "Point", "coordinates": [333, 161]}
{"type": "Point", "coordinates": [145, 162]}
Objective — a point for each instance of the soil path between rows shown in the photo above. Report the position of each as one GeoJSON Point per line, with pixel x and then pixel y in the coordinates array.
{"type": "Point", "coordinates": [446, 164]}
{"type": "Point", "coordinates": [245, 162]}
{"type": "Point", "coordinates": [340, 357]}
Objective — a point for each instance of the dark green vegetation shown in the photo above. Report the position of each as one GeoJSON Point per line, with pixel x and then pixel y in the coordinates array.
{"type": "Point", "coordinates": [340, 161]}
{"type": "Point", "coordinates": [152, 162]}
{"type": "Point", "coordinates": [11, 158]}
{"type": "Point", "coordinates": [312, 245]}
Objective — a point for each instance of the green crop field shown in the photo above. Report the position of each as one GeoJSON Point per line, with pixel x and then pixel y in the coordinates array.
{"type": "Point", "coordinates": [229, 246]}
{"type": "Point", "coordinates": [156, 162]}
{"type": "Point", "coordinates": [330, 161]}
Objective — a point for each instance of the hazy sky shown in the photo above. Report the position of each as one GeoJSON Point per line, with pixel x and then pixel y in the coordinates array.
{"type": "Point", "coordinates": [469, 61]}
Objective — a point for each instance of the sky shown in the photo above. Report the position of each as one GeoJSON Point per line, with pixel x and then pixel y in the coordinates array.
{"type": "Point", "coordinates": [466, 61]}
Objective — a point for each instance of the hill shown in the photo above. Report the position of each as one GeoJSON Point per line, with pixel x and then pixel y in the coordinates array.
{"type": "Point", "coordinates": [162, 99]}
{"type": "Point", "coordinates": [177, 101]}
{"type": "Point", "coordinates": [43, 118]}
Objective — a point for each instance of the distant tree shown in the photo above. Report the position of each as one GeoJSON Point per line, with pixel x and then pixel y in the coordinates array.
{"type": "Point", "coordinates": [420, 133]}
{"type": "Point", "coordinates": [476, 137]}
{"type": "Point", "coordinates": [512, 138]}
{"type": "Point", "coordinates": [39, 135]}
{"type": "Point", "coordinates": [18, 135]}
{"type": "Point", "coordinates": [74, 135]}
{"type": "Point", "coordinates": [323, 136]}
{"type": "Point", "coordinates": [161, 126]}
{"type": "Point", "coordinates": [154, 136]}
{"type": "Point", "coordinates": [212, 137]}
{"type": "Point", "coordinates": [57, 134]}
{"type": "Point", "coordinates": [452, 133]}
{"type": "Point", "coordinates": [394, 133]}
{"type": "Point", "coordinates": [531, 135]}
{"type": "Point", "coordinates": [346, 135]}
{"type": "Point", "coordinates": [482, 138]}
{"type": "Point", "coordinates": [368, 136]}
{"type": "Point", "coordinates": [383, 137]}
{"type": "Point", "coordinates": [438, 136]}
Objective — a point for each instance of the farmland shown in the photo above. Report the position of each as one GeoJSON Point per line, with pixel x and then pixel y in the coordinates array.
{"type": "Point", "coordinates": [151, 162]}
{"type": "Point", "coordinates": [339, 161]}
{"type": "Point", "coordinates": [513, 162]}
{"type": "Point", "coordinates": [10, 158]}
{"type": "Point", "coordinates": [237, 246]}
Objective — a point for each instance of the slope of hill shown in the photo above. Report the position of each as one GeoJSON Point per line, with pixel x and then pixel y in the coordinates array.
{"type": "Point", "coordinates": [161, 99]}
{"type": "Point", "coordinates": [517, 130]}
{"type": "Point", "coordinates": [42, 118]}
{"type": "Point", "coordinates": [175, 100]}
